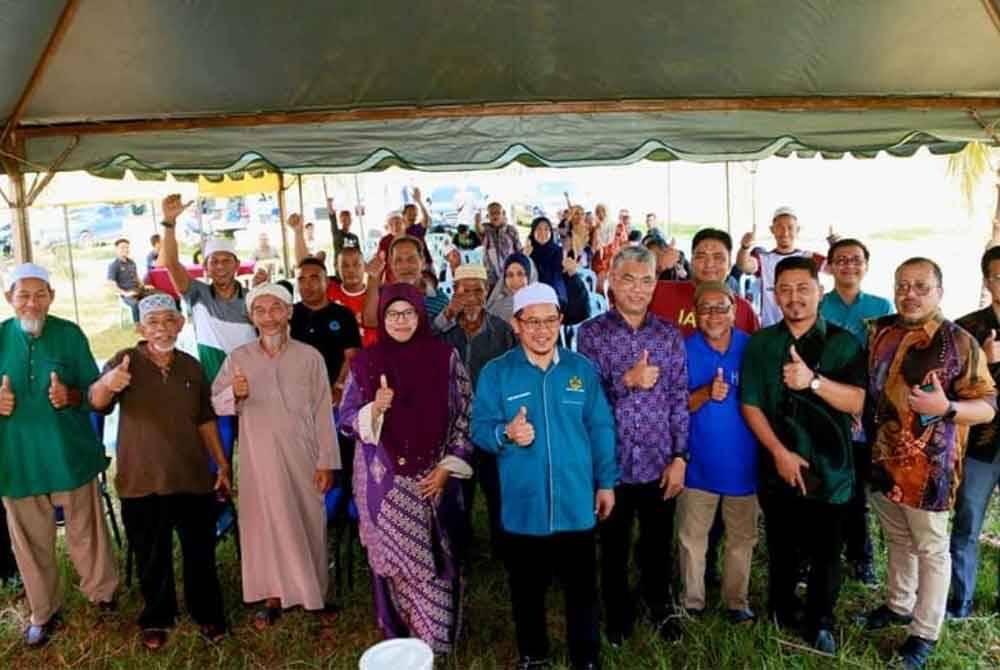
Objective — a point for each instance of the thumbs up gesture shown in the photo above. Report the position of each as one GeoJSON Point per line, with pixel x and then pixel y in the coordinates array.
{"type": "Point", "coordinates": [671, 254]}
{"type": "Point", "coordinates": [796, 373]}
{"type": "Point", "coordinates": [831, 237]}
{"type": "Point", "coordinates": [720, 389]}
{"type": "Point", "coordinates": [241, 385]}
{"type": "Point", "coordinates": [118, 378]}
{"type": "Point", "coordinates": [58, 392]}
{"type": "Point", "coordinates": [748, 238]}
{"type": "Point", "coordinates": [992, 348]}
{"type": "Point", "coordinates": [519, 431]}
{"type": "Point", "coordinates": [929, 403]}
{"type": "Point", "coordinates": [642, 375]}
{"type": "Point", "coordinates": [383, 397]}
{"type": "Point", "coordinates": [6, 397]}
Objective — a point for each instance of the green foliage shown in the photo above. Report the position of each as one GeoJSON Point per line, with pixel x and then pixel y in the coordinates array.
{"type": "Point", "coordinates": [968, 168]}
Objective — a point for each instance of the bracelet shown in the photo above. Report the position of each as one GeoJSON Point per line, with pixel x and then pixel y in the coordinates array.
{"type": "Point", "coordinates": [167, 225]}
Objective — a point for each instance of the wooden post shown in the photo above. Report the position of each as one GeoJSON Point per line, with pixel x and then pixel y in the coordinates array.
{"type": "Point", "coordinates": [19, 230]}
{"type": "Point", "coordinates": [72, 268]}
{"type": "Point", "coordinates": [282, 215]}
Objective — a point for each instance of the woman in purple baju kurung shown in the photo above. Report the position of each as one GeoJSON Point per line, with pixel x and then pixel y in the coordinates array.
{"type": "Point", "coordinates": [407, 403]}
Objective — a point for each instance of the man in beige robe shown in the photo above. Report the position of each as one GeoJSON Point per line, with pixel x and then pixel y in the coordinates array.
{"type": "Point", "coordinates": [280, 391]}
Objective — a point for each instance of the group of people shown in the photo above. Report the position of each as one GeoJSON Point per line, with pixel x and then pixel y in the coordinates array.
{"type": "Point", "coordinates": [677, 412]}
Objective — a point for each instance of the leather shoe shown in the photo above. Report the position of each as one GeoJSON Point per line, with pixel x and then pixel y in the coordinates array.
{"type": "Point", "coordinates": [915, 651]}
{"type": "Point", "coordinates": [741, 616]}
{"type": "Point", "coordinates": [824, 641]}
{"type": "Point", "coordinates": [153, 638]}
{"type": "Point", "coordinates": [883, 617]}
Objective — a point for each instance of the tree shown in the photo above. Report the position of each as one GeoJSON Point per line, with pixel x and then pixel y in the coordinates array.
{"type": "Point", "coordinates": [969, 167]}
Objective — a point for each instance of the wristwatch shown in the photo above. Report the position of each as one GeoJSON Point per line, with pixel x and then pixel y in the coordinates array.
{"type": "Point", "coordinates": [815, 383]}
{"type": "Point", "coordinates": [952, 411]}
{"type": "Point", "coordinates": [167, 224]}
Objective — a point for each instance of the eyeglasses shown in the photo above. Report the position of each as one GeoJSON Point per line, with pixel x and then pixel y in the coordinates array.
{"type": "Point", "coordinates": [397, 317]}
{"type": "Point", "coordinates": [537, 324]}
{"type": "Point", "coordinates": [842, 261]}
{"type": "Point", "coordinates": [718, 310]}
{"type": "Point", "coordinates": [628, 281]}
{"type": "Point", "coordinates": [920, 288]}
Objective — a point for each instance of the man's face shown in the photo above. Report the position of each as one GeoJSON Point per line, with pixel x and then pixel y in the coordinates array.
{"type": "Point", "coordinates": [624, 217]}
{"type": "Point", "coordinates": [651, 221]}
{"type": "Point", "coordinates": [350, 267]}
{"type": "Point", "coordinates": [31, 299]}
{"type": "Point", "coordinates": [709, 261]}
{"type": "Point", "coordinates": [715, 314]}
{"type": "Point", "coordinates": [849, 266]}
{"type": "Point", "coordinates": [122, 249]}
{"type": "Point", "coordinates": [785, 229]}
{"type": "Point", "coordinates": [396, 225]}
{"type": "Point", "coordinates": [160, 329]}
{"type": "Point", "coordinates": [538, 328]}
{"type": "Point", "coordinates": [221, 267]}
{"type": "Point", "coordinates": [345, 221]}
{"type": "Point", "coordinates": [270, 315]}
{"type": "Point", "coordinates": [471, 294]}
{"type": "Point", "coordinates": [797, 294]}
{"type": "Point", "coordinates": [410, 214]}
{"type": "Point", "coordinates": [633, 284]}
{"type": "Point", "coordinates": [918, 292]}
{"type": "Point", "coordinates": [407, 263]}
{"type": "Point", "coordinates": [515, 278]}
{"type": "Point", "coordinates": [495, 214]}
{"type": "Point", "coordinates": [312, 284]}
{"type": "Point", "coordinates": [993, 281]}
{"type": "Point", "coordinates": [401, 320]}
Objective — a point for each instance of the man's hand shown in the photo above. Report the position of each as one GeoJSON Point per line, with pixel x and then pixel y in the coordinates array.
{"type": "Point", "coordinates": [383, 398]}
{"type": "Point", "coordinates": [672, 479]}
{"type": "Point", "coordinates": [118, 378]}
{"type": "Point", "coordinates": [454, 308]}
{"type": "Point", "coordinates": [294, 221]}
{"type": "Point", "coordinates": [432, 486]}
{"type": "Point", "coordinates": [790, 466]}
{"type": "Point", "coordinates": [59, 394]}
{"type": "Point", "coordinates": [260, 276]}
{"type": "Point", "coordinates": [519, 431]}
{"type": "Point", "coordinates": [720, 389]}
{"type": "Point", "coordinates": [796, 373]}
{"type": "Point", "coordinates": [172, 207]}
{"type": "Point", "coordinates": [746, 242]}
{"type": "Point", "coordinates": [642, 375]}
{"type": "Point", "coordinates": [6, 397]}
{"type": "Point", "coordinates": [323, 480]}
{"type": "Point", "coordinates": [223, 481]}
{"type": "Point", "coordinates": [241, 385]}
{"type": "Point", "coordinates": [605, 502]}
{"type": "Point", "coordinates": [375, 267]}
{"type": "Point", "coordinates": [929, 403]}
{"type": "Point", "coordinates": [416, 194]}
{"type": "Point", "coordinates": [671, 254]}
{"type": "Point", "coordinates": [831, 237]}
{"type": "Point", "coordinates": [992, 348]}
{"type": "Point", "coordinates": [329, 206]}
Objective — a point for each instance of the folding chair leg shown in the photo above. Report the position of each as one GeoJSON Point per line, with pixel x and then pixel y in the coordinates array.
{"type": "Point", "coordinates": [111, 516]}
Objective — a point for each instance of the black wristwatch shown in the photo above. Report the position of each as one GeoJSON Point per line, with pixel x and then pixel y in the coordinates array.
{"type": "Point", "coordinates": [952, 411]}
{"type": "Point", "coordinates": [167, 225]}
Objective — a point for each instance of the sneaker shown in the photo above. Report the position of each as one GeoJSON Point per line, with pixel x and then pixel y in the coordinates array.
{"type": "Point", "coordinates": [38, 636]}
{"type": "Point", "coordinates": [883, 617]}
{"type": "Point", "coordinates": [739, 616]}
{"type": "Point", "coordinates": [957, 612]}
{"type": "Point", "coordinates": [915, 651]}
{"type": "Point", "coordinates": [531, 663]}
{"type": "Point", "coordinates": [824, 642]}
{"type": "Point", "coordinates": [864, 572]}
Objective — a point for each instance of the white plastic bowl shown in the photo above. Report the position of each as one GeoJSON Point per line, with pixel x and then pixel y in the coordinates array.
{"type": "Point", "coordinates": [399, 654]}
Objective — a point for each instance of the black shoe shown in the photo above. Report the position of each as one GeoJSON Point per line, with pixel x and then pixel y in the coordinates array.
{"type": "Point", "coordinates": [591, 665]}
{"type": "Point", "coordinates": [745, 615]}
{"type": "Point", "coordinates": [864, 572]}
{"type": "Point", "coordinates": [694, 612]}
{"type": "Point", "coordinates": [38, 636]}
{"type": "Point", "coordinates": [153, 638]}
{"type": "Point", "coordinates": [532, 663]}
{"type": "Point", "coordinates": [883, 617]}
{"type": "Point", "coordinates": [824, 641]}
{"type": "Point", "coordinates": [915, 651]}
{"type": "Point", "coordinates": [213, 632]}
{"type": "Point", "coordinates": [669, 630]}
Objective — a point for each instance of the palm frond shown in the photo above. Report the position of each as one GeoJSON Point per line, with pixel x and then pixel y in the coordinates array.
{"type": "Point", "coordinates": [968, 168]}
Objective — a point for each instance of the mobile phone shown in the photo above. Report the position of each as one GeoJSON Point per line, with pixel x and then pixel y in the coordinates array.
{"type": "Point", "coordinates": [926, 419]}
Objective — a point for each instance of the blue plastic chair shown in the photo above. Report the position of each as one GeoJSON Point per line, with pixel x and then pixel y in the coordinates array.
{"type": "Point", "coordinates": [342, 517]}
{"type": "Point", "coordinates": [448, 288]}
{"type": "Point", "coordinates": [97, 423]}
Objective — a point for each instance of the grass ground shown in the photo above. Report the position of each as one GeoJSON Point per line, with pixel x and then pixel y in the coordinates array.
{"type": "Point", "coordinates": [305, 641]}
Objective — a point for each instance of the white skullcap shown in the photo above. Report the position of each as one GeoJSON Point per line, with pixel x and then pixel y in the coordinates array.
{"type": "Point", "coordinates": [278, 291]}
{"type": "Point", "coordinates": [27, 271]}
{"type": "Point", "coordinates": [784, 211]}
{"type": "Point", "coordinates": [220, 244]}
{"type": "Point", "coordinates": [470, 272]}
{"type": "Point", "coordinates": [157, 302]}
{"type": "Point", "coordinates": [535, 294]}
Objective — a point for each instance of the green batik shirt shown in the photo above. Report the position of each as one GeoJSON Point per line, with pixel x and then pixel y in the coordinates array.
{"type": "Point", "coordinates": [44, 450]}
{"type": "Point", "coordinates": [804, 422]}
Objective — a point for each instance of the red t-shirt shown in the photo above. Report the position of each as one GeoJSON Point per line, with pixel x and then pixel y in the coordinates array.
{"type": "Point", "coordinates": [356, 303]}
{"type": "Point", "coordinates": [674, 301]}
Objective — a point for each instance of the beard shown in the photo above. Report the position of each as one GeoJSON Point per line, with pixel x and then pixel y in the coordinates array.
{"type": "Point", "coordinates": [163, 349]}
{"type": "Point", "coordinates": [32, 326]}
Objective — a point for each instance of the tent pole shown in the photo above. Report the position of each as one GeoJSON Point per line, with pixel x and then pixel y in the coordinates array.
{"type": "Point", "coordinates": [729, 203]}
{"type": "Point", "coordinates": [358, 209]}
{"type": "Point", "coordinates": [282, 214]}
{"type": "Point", "coordinates": [20, 231]}
{"type": "Point", "coordinates": [669, 194]}
{"type": "Point", "coordinates": [72, 269]}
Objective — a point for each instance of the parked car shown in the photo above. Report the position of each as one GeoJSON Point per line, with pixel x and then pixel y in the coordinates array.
{"type": "Point", "coordinates": [452, 205]}
{"type": "Point", "coordinates": [88, 225]}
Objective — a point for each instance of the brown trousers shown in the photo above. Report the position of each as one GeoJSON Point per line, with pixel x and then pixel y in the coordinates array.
{"type": "Point", "coordinates": [33, 533]}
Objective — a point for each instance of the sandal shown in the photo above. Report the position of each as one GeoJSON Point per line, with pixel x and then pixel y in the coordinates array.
{"type": "Point", "coordinates": [265, 618]}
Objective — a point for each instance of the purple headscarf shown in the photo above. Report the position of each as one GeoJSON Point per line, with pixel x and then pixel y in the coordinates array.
{"type": "Point", "coordinates": [415, 427]}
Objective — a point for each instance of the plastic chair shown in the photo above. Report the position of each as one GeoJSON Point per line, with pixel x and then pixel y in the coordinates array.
{"type": "Point", "coordinates": [97, 423]}
{"type": "Point", "coordinates": [589, 278]}
{"type": "Point", "coordinates": [342, 516]}
{"type": "Point", "coordinates": [125, 315]}
{"type": "Point", "coordinates": [472, 256]}
{"type": "Point", "coordinates": [448, 288]}
{"type": "Point", "coordinates": [598, 304]}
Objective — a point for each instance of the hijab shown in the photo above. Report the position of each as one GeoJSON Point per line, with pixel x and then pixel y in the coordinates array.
{"type": "Point", "coordinates": [501, 300]}
{"type": "Point", "coordinates": [548, 259]}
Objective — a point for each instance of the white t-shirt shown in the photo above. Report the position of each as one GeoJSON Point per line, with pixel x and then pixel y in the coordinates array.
{"type": "Point", "coordinates": [767, 261]}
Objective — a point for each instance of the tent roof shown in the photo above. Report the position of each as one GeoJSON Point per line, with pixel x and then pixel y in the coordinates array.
{"type": "Point", "coordinates": [445, 84]}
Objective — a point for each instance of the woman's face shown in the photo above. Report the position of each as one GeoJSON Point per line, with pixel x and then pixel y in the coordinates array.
{"type": "Point", "coordinates": [401, 321]}
{"type": "Point", "coordinates": [515, 278]}
{"type": "Point", "coordinates": [543, 233]}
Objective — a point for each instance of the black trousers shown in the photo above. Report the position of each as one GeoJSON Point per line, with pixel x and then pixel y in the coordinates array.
{"type": "Point", "coordinates": [857, 537]}
{"type": "Point", "coordinates": [653, 555]}
{"type": "Point", "coordinates": [801, 529]}
{"type": "Point", "coordinates": [488, 476]}
{"type": "Point", "coordinates": [532, 563]}
{"type": "Point", "coordinates": [150, 523]}
{"type": "Point", "coordinates": [8, 568]}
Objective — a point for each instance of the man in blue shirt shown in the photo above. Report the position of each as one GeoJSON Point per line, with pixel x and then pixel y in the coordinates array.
{"type": "Point", "coordinates": [723, 456]}
{"type": "Point", "coordinates": [541, 409]}
{"type": "Point", "coordinates": [850, 308]}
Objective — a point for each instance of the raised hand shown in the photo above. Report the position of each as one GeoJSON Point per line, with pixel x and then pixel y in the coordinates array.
{"type": "Point", "coordinates": [671, 255]}
{"type": "Point", "coordinates": [992, 348]}
{"type": "Point", "coordinates": [58, 392]}
{"type": "Point", "coordinates": [118, 378]}
{"type": "Point", "coordinates": [241, 385]}
{"type": "Point", "coordinates": [831, 237]}
{"type": "Point", "coordinates": [172, 207]}
{"type": "Point", "coordinates": [260, 276]}
{"type": "Point", "coordinates": [294, 221]}
{"type": "Point", "coordinates": [416, 194]}
{"type": "Point", "coordinates": [796, 373]}
{"type": "Point", "coordinates": [375, 267]}
{"type": "Point", "coordinates": [383, 397]}
{"type": "Point", "coordinates": [748, 238]}
{"type": "Point", "coordinates": [720, 389]}
{"type": "Point", "coordinates": [519, 430]}
{"type": "Point", "coordinates": [642, 375]}
{"type": "Point", "coordinates": [6, 397]}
